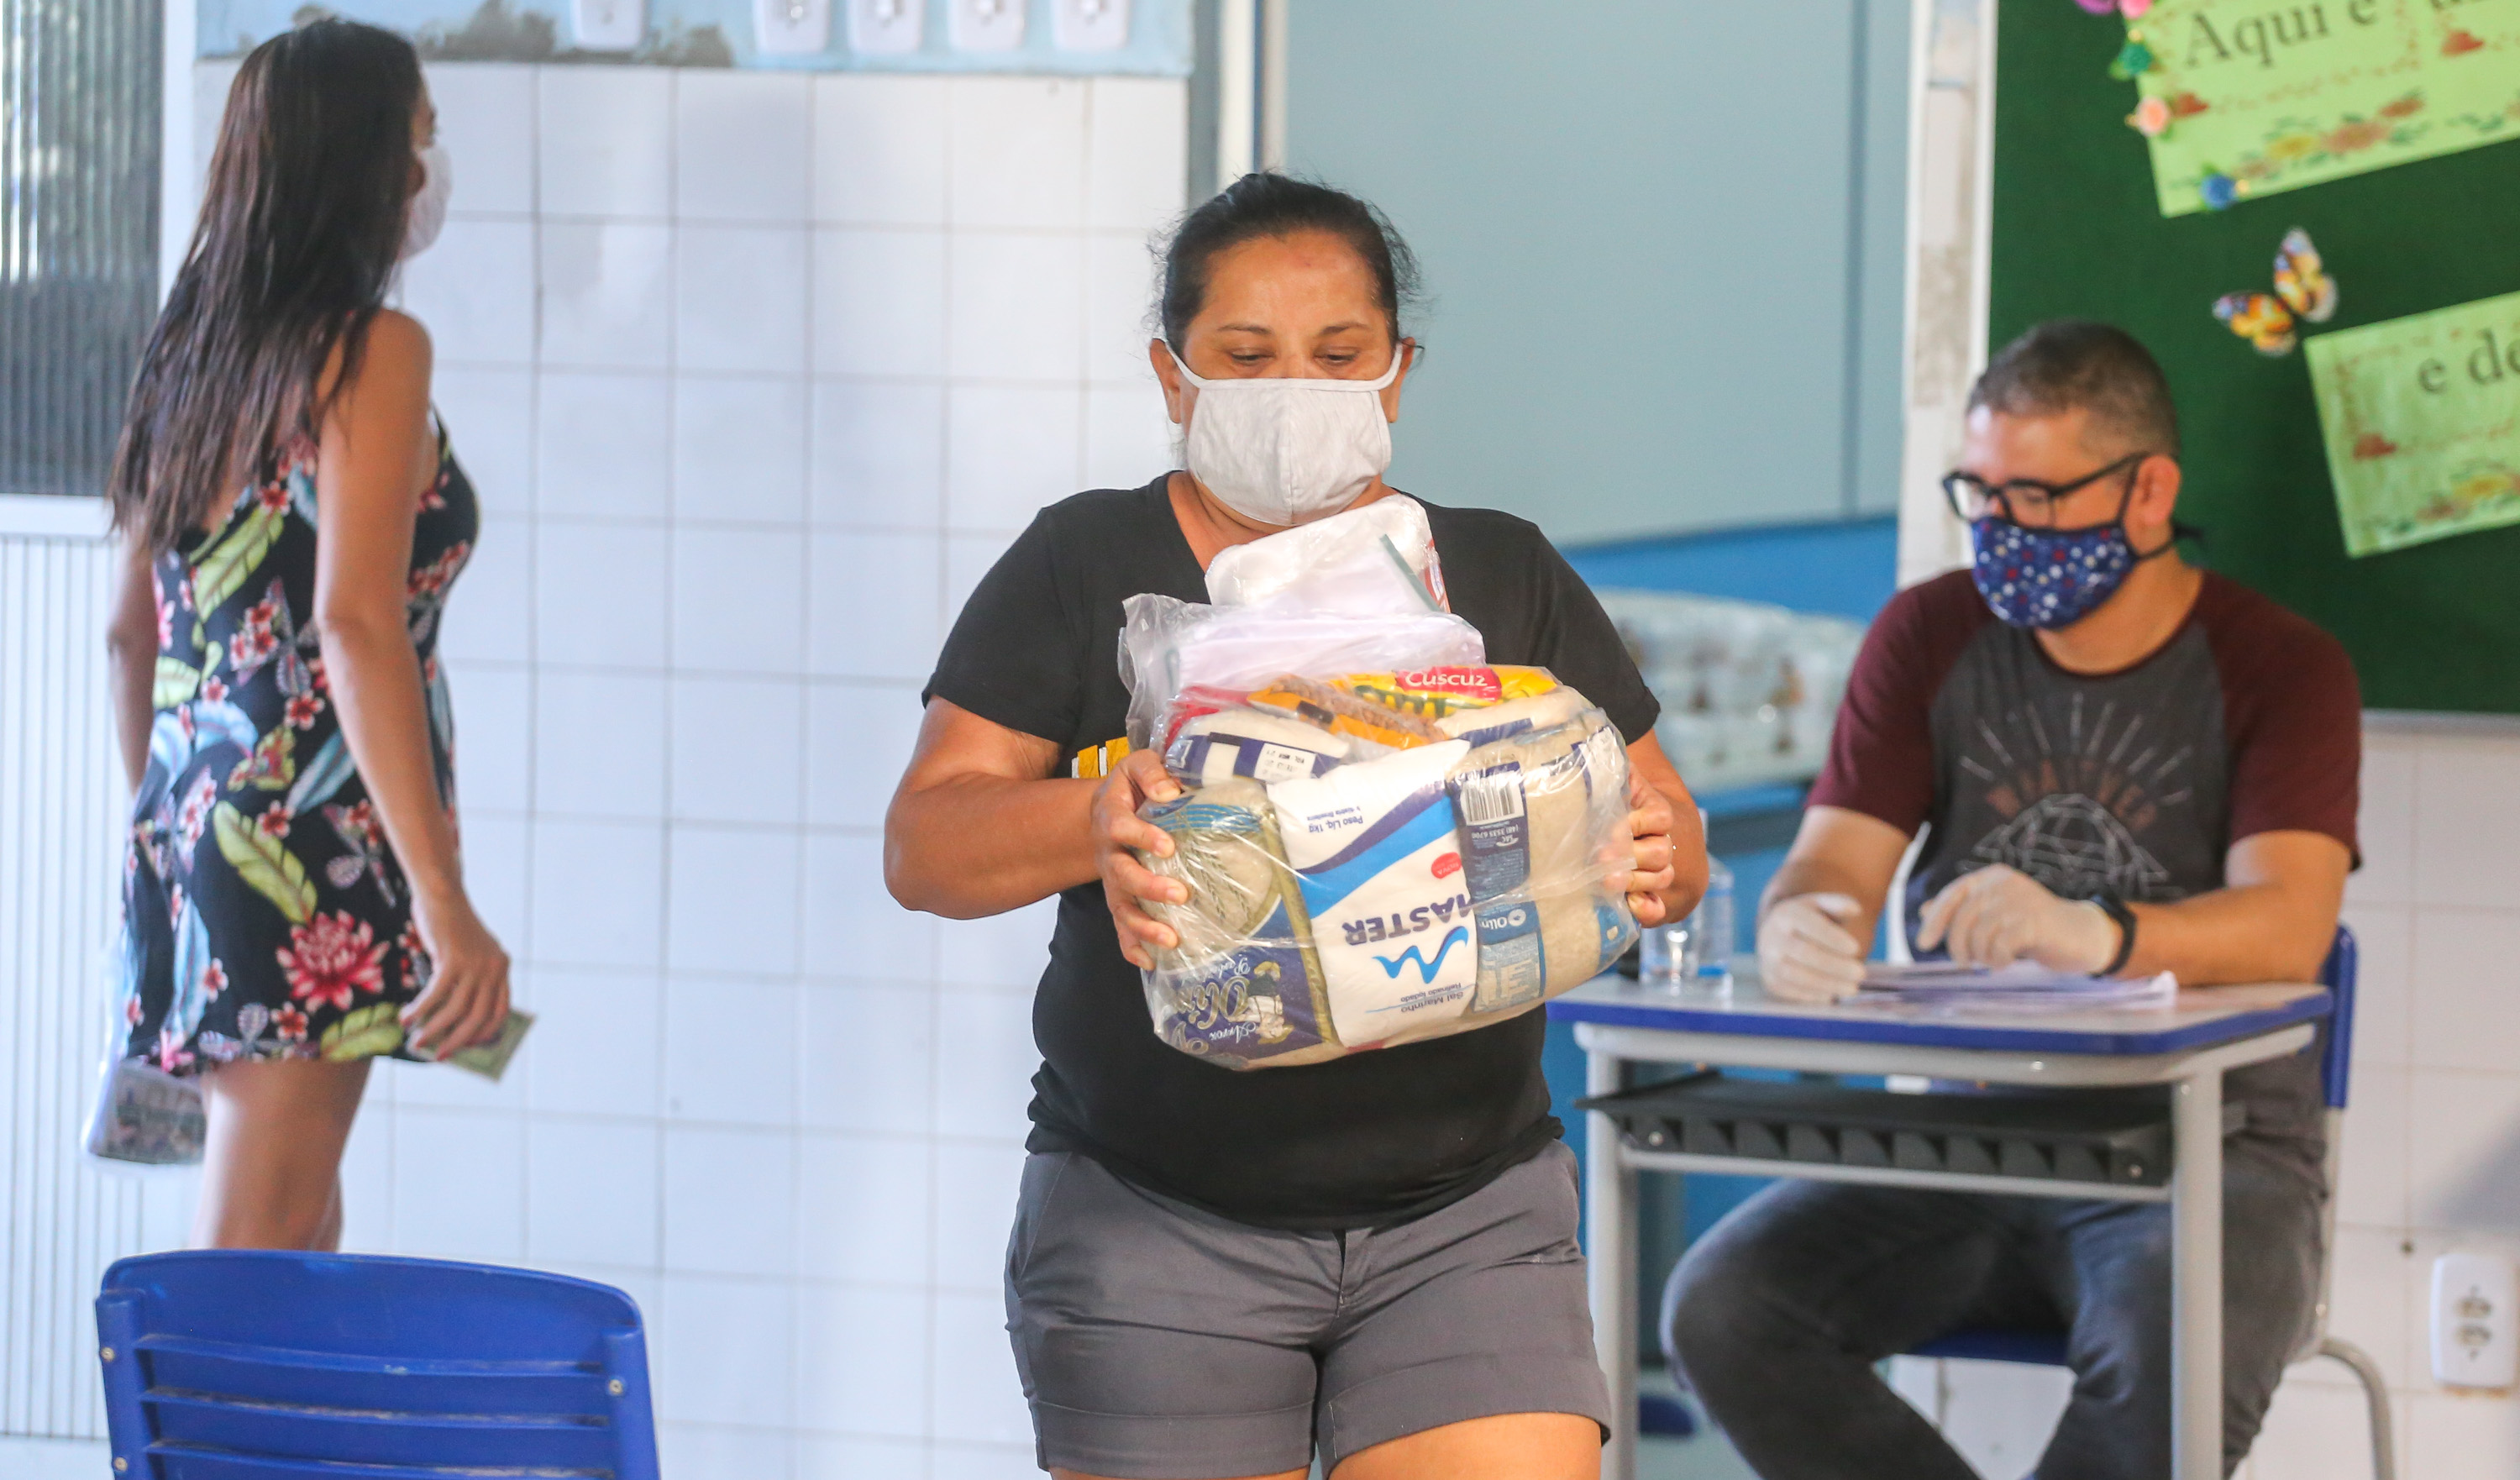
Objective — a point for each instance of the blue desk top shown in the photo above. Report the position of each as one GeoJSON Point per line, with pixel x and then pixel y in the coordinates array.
{"type": "Point", "coordinates": [2200, 1018]}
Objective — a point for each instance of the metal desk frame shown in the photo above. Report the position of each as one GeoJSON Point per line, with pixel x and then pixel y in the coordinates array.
{"type": "Point", "coordinates": [2192, 1048]}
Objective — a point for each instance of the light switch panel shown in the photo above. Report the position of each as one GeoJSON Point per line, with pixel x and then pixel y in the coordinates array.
{"type": "Point", "coordinates": [1089, 25]}
{"type": "Point", "coordinates": [2472, 1322]}
{"type": "Point", "coordinates": [986, 25]}
{"type": "Point", "coordinates": [887, 27]}
{"type": "Point", "coordinates": [608, 26]}
{"type": "Point", "coordinates": [792, 27]}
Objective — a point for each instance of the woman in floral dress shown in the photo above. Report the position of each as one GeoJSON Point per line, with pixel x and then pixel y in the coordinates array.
{"type": "Point", "coordinates": [293, 905]}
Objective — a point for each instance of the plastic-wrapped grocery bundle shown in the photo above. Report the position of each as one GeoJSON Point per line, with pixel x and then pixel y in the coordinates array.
{"type": "Point", "coordinates": [1379, 858]}
{"type": "Point", "coordinates": [1385, 840]}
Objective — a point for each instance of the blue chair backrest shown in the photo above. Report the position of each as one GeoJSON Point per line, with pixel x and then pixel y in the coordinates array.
{"type": "Point", "coordinates": [266, 1365]}
{"type": "Point", "coordinates": [2336, 1062]}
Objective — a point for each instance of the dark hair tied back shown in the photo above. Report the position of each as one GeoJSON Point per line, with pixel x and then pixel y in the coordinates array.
{"type": "Point", "coordinates": [301, 223]}
{"type": "Point", "coordinates": [1266, 204]}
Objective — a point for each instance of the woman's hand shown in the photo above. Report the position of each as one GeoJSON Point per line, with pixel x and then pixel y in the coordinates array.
{"type": "Point", "coordinates": [1649, 819]}
{"type": "Point", "coordinates": [465, 1000]}
{"type": "Point", "coordinates": [1138, 778]}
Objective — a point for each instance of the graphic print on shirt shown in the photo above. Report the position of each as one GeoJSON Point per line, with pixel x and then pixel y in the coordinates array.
{"type": "Point", "coordinates": [2084, 782]}
{"type": "Point", "coordinates": [2074, 813]}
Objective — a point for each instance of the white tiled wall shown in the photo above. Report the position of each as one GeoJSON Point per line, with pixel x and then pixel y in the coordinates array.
{"type": "Point", "coordinates": [756, 373]}
{"type": "Point", "coordinates": [2432, 1133]}
{"type": "Point", "coordinates": [2432, 1147]}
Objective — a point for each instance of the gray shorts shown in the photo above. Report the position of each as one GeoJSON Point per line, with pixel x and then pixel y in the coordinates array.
{"type": "Point", "coordinates": [1156, 1341]}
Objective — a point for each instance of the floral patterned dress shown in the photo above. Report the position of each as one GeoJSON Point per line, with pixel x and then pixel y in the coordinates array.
{"type": "Point", "coordinates": [264, 914]}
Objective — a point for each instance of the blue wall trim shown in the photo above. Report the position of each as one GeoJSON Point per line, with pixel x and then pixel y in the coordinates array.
{"type": "Point", "coordinates": [1838, 568]}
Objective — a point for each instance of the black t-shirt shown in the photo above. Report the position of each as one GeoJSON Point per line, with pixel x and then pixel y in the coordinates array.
{"type": "Point", "coordinates": [1369, 1139]}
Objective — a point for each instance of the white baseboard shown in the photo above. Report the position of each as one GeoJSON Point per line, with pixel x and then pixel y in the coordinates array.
{"type": "Point", "coordinates": [54, 1458]}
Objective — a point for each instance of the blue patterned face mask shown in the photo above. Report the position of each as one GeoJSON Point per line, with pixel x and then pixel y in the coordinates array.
{"type": "Point", "coordinates": [2049, 578]}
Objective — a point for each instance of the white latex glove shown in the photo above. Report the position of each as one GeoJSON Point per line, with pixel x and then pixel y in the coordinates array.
{"type": "Point", "coordinates": [1806, 951]}
{"type": "Point", "coordinates": [1995, 916]}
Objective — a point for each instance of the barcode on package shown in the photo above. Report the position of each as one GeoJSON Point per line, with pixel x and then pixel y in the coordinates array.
{"type": "Point", "coordinates": [1493, 797]}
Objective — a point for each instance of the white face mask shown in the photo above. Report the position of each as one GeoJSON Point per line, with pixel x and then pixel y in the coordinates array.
{"type": "Point", "coordinates": [429, 203]}
{"type": "Point", "coordinates": [1280, 451]}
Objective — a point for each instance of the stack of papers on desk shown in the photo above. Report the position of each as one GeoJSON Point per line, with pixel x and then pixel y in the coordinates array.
{"type": "Point", "coordinates": [2022, 987]}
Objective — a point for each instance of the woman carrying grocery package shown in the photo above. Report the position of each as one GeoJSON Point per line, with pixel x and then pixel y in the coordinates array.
{"type": "Point", "coordinates": [1366, 1255]}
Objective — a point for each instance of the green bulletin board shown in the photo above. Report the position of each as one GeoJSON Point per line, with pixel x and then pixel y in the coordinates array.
{"type": "Point", "coordinates": [2078, 232]}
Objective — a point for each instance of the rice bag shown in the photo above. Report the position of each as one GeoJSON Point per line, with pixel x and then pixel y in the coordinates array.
{"type": "Point", "coordinates": [1545, 848]}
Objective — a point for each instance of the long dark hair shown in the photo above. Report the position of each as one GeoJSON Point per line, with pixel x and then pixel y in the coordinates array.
{"type": "Point", "coordinates": [300, 226]}
{"type": "Point", "coordinates": [1266, 204]}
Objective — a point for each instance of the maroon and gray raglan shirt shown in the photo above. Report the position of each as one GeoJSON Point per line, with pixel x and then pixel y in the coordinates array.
{"type": "Point", "coordinates": [2247, 721]}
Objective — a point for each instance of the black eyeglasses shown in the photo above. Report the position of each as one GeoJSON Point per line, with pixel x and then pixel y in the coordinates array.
{"type": "Point", "coordinates": [2025, 502]}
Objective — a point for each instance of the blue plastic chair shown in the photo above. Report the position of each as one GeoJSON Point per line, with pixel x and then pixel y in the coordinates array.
{"type": "Point", "coordinates": [258, 1364]}
{"type": "Point", "coordinates": [2046, 1348]}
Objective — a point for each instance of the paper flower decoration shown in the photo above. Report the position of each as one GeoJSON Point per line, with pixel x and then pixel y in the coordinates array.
{"type": "Point", "coordinates": [2134, 10]}
{"type": "Point", "coordinates": [2219, 190]}
{"type": "Point", "coordinates": [2134, 59]}
{"type": "Point", "coordinates": [2098, 7]}
{"type": "Point", "coordinates": [2150, 118]}
{"type": "Point", "coordinates": [2131, 9]}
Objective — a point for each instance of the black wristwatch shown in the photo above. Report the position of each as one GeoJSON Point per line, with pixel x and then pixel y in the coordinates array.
{"type": "Point", "coordinates": [2116, 909]}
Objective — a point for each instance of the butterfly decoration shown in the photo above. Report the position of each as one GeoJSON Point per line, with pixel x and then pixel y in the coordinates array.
{"type": "Point", "coordinates": [2303, 292]}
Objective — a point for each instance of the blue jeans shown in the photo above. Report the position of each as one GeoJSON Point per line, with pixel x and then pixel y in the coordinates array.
{"type": "Point", "coordinates": [1779, 1315]}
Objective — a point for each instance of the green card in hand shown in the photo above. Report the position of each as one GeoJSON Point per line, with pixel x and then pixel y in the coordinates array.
{"type": "Point", "coordinates": [488, 1060]}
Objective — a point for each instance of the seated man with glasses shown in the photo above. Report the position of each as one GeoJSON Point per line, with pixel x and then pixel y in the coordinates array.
{"type": "Point", "coordinates": [2122, 765]}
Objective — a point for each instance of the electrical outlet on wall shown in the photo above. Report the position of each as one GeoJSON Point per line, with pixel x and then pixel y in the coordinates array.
{"type": "Point", "coordinates": [2473, 1321]}
{"type": "Point", "coordinates": [1089, 25]}
{"type": "Point", "coordinates": [985, 25]}
{"type": "Point", "coordinates": [608, 26]}
{"type": "Point", "coordinates": [792, 27]}
{"type": "Point", "coordinates": [887, 27]}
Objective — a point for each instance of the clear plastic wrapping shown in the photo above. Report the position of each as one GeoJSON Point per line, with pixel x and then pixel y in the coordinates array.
{"type": "Point", "coordinates": [1168, 646]}
{"type": "Point", "coordinates": [1380, 856]}
{"type": "Point", "coordinates": [1355, 593]}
